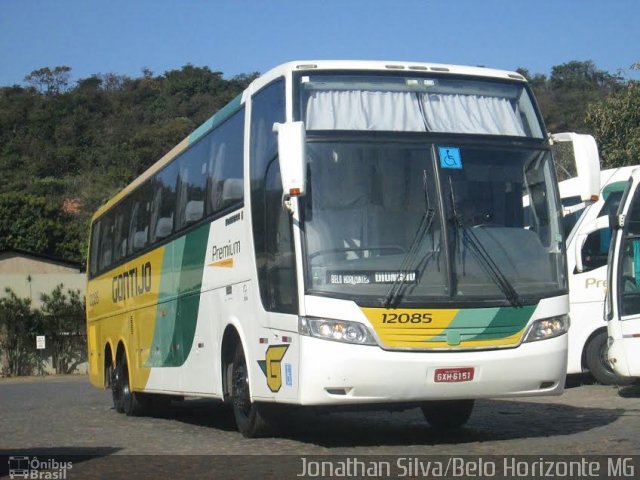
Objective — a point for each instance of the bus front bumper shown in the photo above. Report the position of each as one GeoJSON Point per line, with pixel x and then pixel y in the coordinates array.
{"type": "Point", "coordinates": [338, 373]}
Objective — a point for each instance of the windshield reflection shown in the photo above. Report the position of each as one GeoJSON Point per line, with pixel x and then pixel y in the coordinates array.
{"type": "Point", "coordinates": [373, 220]}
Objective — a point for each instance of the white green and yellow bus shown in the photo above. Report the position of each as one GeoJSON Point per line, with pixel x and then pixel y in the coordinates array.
{"type": "Point", "coordinates": [342, 233]}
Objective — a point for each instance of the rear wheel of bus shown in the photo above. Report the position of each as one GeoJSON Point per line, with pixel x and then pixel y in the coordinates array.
{"type": "Point", "coordinates": [447, 414]}
{"type": "Point", "coordinates": [252, 419]}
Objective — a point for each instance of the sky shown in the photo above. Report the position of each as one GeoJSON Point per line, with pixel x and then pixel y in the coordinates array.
{"type": "Point", "coordinates": [245, 36]}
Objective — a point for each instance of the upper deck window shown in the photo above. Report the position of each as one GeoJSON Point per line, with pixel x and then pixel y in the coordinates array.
{"type": "Point", "coordinates": [418, 104]}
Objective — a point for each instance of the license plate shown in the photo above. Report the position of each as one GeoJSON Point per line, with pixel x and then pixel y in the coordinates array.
{"type": "Point", "coordinates": [450, 375]}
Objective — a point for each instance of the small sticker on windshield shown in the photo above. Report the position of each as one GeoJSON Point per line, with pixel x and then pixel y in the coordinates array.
{"type": "Point", "coordinates": [450, 157]}
{"type": "Point", "coordinates": [335, 277]}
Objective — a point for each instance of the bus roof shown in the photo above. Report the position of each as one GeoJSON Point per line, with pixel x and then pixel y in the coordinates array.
{"type": "Point", "coordinates": [285, 70]}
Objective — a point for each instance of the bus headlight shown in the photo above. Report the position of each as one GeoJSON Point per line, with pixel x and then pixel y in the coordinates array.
{"type": "Point", "coordinates": [336, 330]}
{"type": "Point", "coordinates": [547, 328]}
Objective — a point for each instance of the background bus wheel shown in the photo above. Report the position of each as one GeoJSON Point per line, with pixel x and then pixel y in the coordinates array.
{"type": "Point", "coordinates": [596, 359]}
{"type": "Point", "coordinates": [134, 404]}
{"type": "Point", "coordinates": [447, 414]}
{"type": "Point", "coordinates": [250, 417]}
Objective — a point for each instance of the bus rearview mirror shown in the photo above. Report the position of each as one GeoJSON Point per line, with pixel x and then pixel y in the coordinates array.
{"type": "Point", "coordinates": [586, 161]}
{"type": "Point", "coordinates": [292, 157]}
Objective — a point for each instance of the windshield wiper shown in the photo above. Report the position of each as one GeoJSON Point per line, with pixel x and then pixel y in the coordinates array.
{"type": "Point", "coordinates": [477, 249]}
{"type": "Point", "coordinates": [400, 282]}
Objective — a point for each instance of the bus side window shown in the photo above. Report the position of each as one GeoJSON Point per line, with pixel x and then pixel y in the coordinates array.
{"type": "Point", "coordinates": [163, 203]}
{"type": "Point", "coordinates": [121, 231]}
{"type": "Point", "coordinates": [268, 106]}
{"type": "Point", "coordinates": [225, 169]}
{"type": "Point", "coordinates": [280, 277]}
{"type": "Point", "coordinates": [192, 180]}
{"type": "Point", "coordinates": [95, 248]}
{"type": "Point", "coordinates": [139, 224]}
{"type": "Point", "coordinates": [106, 243]}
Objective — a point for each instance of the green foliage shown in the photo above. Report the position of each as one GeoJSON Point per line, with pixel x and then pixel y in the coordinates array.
{"type": "Point", "coordinates": [61, 319]}
{"type": "Point", "coordinates": [63, 323]}
{"type": "Point", "coordinates": [19, 324]}
{"type": "Point", "coordinates": [49, 81]}
{"type": "Point", "coordinates": [62, 145]}
{"type": "Point", "coordinates": [37, 224]}
{"type": "Point", "coordinates": [565, 96]}
{"type": "Point", "coordinates": [615, 122]}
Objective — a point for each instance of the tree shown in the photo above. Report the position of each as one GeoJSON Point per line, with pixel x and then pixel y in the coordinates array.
{"type": "Point", "coordinates": [564, 96]}
{"type": "Point", "coordinates": [19, 324]}
{"type": "Point", "coordinates": [49, 81]}
{"type": "Point", "coordinates": [39, 225]}
{"type": "Point", "coordinates": [615, 122]}
{"type": "Point", "coordinates": [63, 317]}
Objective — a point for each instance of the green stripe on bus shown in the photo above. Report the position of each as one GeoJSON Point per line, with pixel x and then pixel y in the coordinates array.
{"type": "Point", "coordinates": [486, 323]}
{"type": "Point", "coordinates": [189, 286]}
{"type": "Point", "coordinates": [220, 116]}
{"type": "Point", "coordinates": [179, 299]}
{"type": "Point", "coordinates": [166, 309]}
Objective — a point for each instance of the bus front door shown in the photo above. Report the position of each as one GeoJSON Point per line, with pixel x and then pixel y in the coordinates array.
{"type": "Point", "coordinates": [623, 300]}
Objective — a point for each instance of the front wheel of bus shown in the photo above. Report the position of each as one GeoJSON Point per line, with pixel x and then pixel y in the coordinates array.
{"type": "Point", "coordinates": [250, 417]}
{"type": "Point", "coordinates": [596, 359]}
{"type": "Point", "coordinates": [447, 414]}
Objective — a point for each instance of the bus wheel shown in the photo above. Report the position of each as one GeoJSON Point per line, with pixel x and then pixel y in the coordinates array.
{"type": "Point", "coordinates": [134, 404]}
{"type": "Point", "coordinates": [250, 417]}
{"type": "Point", "coordinates": [447, 414]}
{"type": "Point", "coordinates": [116, 388]}
{"type": "Point", "coordinates": [596, 359]}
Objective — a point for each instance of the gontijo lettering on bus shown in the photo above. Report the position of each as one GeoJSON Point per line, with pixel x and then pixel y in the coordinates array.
{"type": "Point", "coordinates": [131, 283]}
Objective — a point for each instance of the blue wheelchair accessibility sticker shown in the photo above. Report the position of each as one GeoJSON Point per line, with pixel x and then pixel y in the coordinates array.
{"type": "Point", "coordinates": [450, 157]}
{"type": "Point", "coordinates": [288, 375]}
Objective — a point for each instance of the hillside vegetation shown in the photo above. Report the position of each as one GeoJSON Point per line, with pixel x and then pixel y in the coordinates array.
{"type": "Point", "coordinates": [65, 149]}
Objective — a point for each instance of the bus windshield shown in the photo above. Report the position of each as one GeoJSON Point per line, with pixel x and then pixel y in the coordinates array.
{"type": "Point", "coordinates": [440, 221]}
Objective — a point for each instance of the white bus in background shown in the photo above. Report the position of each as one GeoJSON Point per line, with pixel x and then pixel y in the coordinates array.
{"type": "Point", "coordinates": [588, 201]}
{"type": "Point", "coordinates": [622, 310]}
{"type": "Point", "coordinates": [588, 236]}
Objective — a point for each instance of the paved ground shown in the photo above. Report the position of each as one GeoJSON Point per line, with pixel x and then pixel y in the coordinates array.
{"type": "Point", "coordinates": [66, 415]}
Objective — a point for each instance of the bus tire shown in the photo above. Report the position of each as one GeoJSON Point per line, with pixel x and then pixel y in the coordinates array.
{"type": "Point", "coordinates": [596, 360]}
{"type": "Point", "coordinates": [134, 404]}
{"type": "Point", "coordinates": [116, 388]}
{"type": "Point", "coordinates": [447, 414]}
{"type": "Point", "coordinates": [251, 417]}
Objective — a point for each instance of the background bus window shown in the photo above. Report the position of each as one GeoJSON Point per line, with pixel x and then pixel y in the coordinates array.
{"type": "Point", "coordinates": [630, 260]}
{"type": "Point", "coordinates": [569, 220]}
{"type": "Point", "coordinates": [596, 247]}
